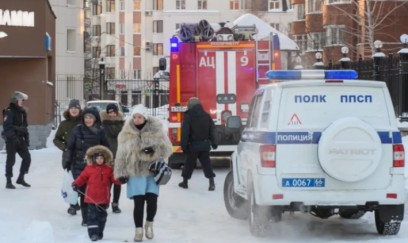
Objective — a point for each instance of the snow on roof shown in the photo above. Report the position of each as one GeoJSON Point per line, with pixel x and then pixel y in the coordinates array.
{"type": "Point", "coordinates": [264, 31]}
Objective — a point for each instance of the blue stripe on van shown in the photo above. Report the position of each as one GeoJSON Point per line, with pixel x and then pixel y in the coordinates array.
{"type": "Point", "coordinates": [305, 137]}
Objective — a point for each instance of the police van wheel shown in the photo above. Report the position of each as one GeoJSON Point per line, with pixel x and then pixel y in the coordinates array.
{"type": "Point", "coordinates": [258, 217]}
{"type": "Point", "coordinates": [237, 206]}
{"type": "Point", "coordinates": [388, 219]}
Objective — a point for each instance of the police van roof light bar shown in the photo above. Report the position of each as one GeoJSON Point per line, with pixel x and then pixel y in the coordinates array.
{"type": "Point", "coordinates": [311, 74]}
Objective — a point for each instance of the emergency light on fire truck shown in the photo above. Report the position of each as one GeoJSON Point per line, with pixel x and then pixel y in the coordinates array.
{"type": "Point", "coordinates": [311, 74]}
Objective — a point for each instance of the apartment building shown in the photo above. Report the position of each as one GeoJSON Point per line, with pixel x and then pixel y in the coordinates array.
{"type": "Point", "coordinates": [326, 26]}
{"type": "Point", "coordinates": [130, 36]}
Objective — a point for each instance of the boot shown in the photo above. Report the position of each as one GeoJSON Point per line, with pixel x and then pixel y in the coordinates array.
{"type": "Point", "coordinates": [72, 210]}
{"type": "Point", "coordinates": [212, 185]}
{"type": "Point", "coordinates": [139, 234]}
{"type": "Point", "coordinates": [9, 184]}
{"type": "Point", "coordinates": [184, 183]}
{"type": "Point", "coordinates": [149, 229]}
{"type": "Point", "coordinates": [20, 180]}
{"type": "Point", "coordinates": [115, 208]}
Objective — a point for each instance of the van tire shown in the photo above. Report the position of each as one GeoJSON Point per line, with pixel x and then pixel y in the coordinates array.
{"type": "Point", "coordinates": [237, 206]}
{"type": "Point", "coordinates": [258, 217]}
{"type": "Point", "coordinates": [388, 219]}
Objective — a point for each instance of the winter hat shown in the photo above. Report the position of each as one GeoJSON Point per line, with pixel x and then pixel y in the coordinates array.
{"type": "Point", "coordinates": [74, 103]}
{"type": "Point", "coordinates": [17, 95]}
{"type": "Point", "coordinates": [140, 109]}
{"type": "Point", "coordinates": [97, 154]}
{"type": "Point", "coordinates": [112, 108]}
{"type": "Point", "coordinates": [193, 101]}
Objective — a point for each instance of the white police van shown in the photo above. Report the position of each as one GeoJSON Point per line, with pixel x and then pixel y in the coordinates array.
{"type": "Point", "coordinates": [319, 143]}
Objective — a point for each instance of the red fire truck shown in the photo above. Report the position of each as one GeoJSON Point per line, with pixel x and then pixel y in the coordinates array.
{"type": "Point", "coordinates": [223, 74]}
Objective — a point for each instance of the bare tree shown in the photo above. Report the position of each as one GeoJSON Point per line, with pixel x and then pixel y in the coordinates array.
{"type": "Point", "coordinates": [369, 19]}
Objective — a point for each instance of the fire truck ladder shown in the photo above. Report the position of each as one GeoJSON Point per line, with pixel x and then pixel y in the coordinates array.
{"type": "Point", "coordinates": [264, 59]}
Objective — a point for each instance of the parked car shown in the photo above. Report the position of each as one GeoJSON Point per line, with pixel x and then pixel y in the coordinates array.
{"type": "Point", "coordinates": [325, 145]}
{"type": "Point", "coordinates": [101, 105]}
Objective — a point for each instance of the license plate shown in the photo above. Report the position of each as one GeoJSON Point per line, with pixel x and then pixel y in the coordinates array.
{"type": "Point", "coordinates": [178, 108]}
{"type": "Point", "coordinates": [303, 182]}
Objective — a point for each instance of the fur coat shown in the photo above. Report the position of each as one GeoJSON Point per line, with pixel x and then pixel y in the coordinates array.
{"type": "Point", "coordinates": [130, 158]}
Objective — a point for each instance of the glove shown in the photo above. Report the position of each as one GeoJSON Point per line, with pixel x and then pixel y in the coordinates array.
{"type": "Point", "coordinates": [75, 188]}
{"type": "Point", "coordinates": [67, 166]}
{"type": "Point", "coordinates": [123, 179]}
{"type": "Point", "coordinates": [148, 150]}
{"type": "Point", "coordinates": [214, 146]}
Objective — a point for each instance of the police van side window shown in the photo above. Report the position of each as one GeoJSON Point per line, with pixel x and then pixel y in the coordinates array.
{"type": "Point", "coordinates": [266, 109]}
{"type": "Point", "coordinates": [254, 112]}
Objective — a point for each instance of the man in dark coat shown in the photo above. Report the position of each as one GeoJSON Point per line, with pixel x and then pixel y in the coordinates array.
{"type": "Point", "coordinates": [17, 138]}
{"type": "Point", "coordinates": [112, 123]}
{"type": "Point", "coordinates": [197, 138]}
{"type": "Point", "coordinates": [85, 135]}
{"type": "Point", "coordinates": [72, 118]}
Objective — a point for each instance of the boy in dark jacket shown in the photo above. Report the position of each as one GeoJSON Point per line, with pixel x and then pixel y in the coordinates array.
{"type": "Point", "coordinates": [197, 138]}
{"type": "Point", "coordinates": [98, 175]}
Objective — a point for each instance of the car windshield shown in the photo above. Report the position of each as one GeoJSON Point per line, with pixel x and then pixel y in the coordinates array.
{"type": "Point", "coordinates": [99, 106]}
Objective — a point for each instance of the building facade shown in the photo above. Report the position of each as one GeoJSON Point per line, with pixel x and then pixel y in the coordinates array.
{"type": "Point", "coordinates": [325, 26]}
{"type": "Point", "coordinates": [27, 62]}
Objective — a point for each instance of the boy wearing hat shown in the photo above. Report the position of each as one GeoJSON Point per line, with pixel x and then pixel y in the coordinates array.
{"type": "Point", "coordinates": [15, 133]}
{"type": "Point", "coordinates": [72, 118]}
{"type": "Point", "coordinates": [112, 122]}
{"type": "Point", "coordinates": [98, 175]}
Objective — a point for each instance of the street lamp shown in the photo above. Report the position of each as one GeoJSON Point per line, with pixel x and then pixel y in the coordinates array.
{"type": "Point", "coordinates": [345, 60]}
{"type": "Point", "coordinates": [318, 64]}
{"type": "Point", "coordinates": [403, 79]}
{"type": "Point", "coordinates": [378, 57]}
{"type": "Point", "coordinates": [101, 78]}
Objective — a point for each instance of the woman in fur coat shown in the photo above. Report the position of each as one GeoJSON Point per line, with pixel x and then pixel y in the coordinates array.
{"type": "Point", "coordinates": [142, 141]}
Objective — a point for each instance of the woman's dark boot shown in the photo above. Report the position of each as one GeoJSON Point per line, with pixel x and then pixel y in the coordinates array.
{"type": "Point", "coordinates": [184, 183]}
{"type": "Point", "coordinates": [212, 185]}
{"type": "Point", "coordinates": [9, 184]}
{"type": "Point", "coordinates": [20, 180]}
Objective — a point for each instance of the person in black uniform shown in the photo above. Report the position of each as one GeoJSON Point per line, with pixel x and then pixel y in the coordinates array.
{"type": "Point", "coordinates": [17, 138]}
{"type": "Point", "coordinates": [197, 138]}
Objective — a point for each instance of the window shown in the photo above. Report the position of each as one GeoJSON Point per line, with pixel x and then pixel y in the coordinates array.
{"type": "Point", "coordinates": [267, 106]}
{"type": "Point", "coordinates": [158, 26]}
{"type": "Point", "coordinates": [300, 11]}
{"type": "Point", "coordinates": [157, 49]}
{"type": "Point", "coordinates": [275, 25]}
{"type": "Point", "coordinates": [96, 51]}
{"type": "Point", "coordinates": [274, 5]}
{"type": "Point", "coordinates": [301, 41]}
{"type": "Point", "coordinates": [96, 30]}
{"type": "Point", "coordinates": [334, 35]}
{"type": "Point", "coordinates": [122, 5]}
{"type": "Point", "coordinates": [110, 72]}
{"type": "Point", "coordinates": [96, 9]}
{"type": "Point", "coordinates": [202, 4]}
{"type": "Point", "coordinates": [180, 4]}
{"type": "Point", "coordinates": [136, 4]}
{"type": "Point", "coordinates": [137, 74]}
{"type": "Point", "coordinates": [110, 50]}
{"type": "Point", "coordinates": [314, 6]}
{"type": "Point", "coordinates": [110, 28]}
{"type": "Point", "coordinates": [315, 41]}
{"type": "Point", "coordinates": [121, 28]}
{"type": "Point", "coordinates": [136, 50]}
{"type": "Point", "coordinates": [158, 5]}
{"type": "Point", "coordinates": [136, 27]}
{"type": "Point", "coordinates": [110, 5]}
{"type": "Point", "coordinates": [71, 40]}
{"type": "Point", "coordinates": [337, 1]}
{"type": "Point", "coordinates": [234, 4]}
{"type": "Point", "coordinates": [254, 110]}
{"type": "Point", "coordinates": [122, 51]}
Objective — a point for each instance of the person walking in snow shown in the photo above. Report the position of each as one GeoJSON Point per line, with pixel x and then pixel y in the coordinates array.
{"type": "Point", "coordinates": [17, 138]}
{"type": "Point", "coordinates": [197, 138]}
{"type": "Point", "coordinates": [142, 141]}
{"type": "Point", "coordinates": [112, 123]}
{"type": "Point", "coordinates": [98, 176]}
{"type": "Point", "coordinates": [72, 118]}
{"type": "Point", "coordinates": [85, 135]}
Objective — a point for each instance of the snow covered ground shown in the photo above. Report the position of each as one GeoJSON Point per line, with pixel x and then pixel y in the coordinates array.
{"type": "Point", "coordinates": [38, 214]}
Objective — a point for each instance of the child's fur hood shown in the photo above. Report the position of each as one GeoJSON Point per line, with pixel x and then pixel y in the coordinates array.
{"type": "Point", "coordinates": [107, 154]}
